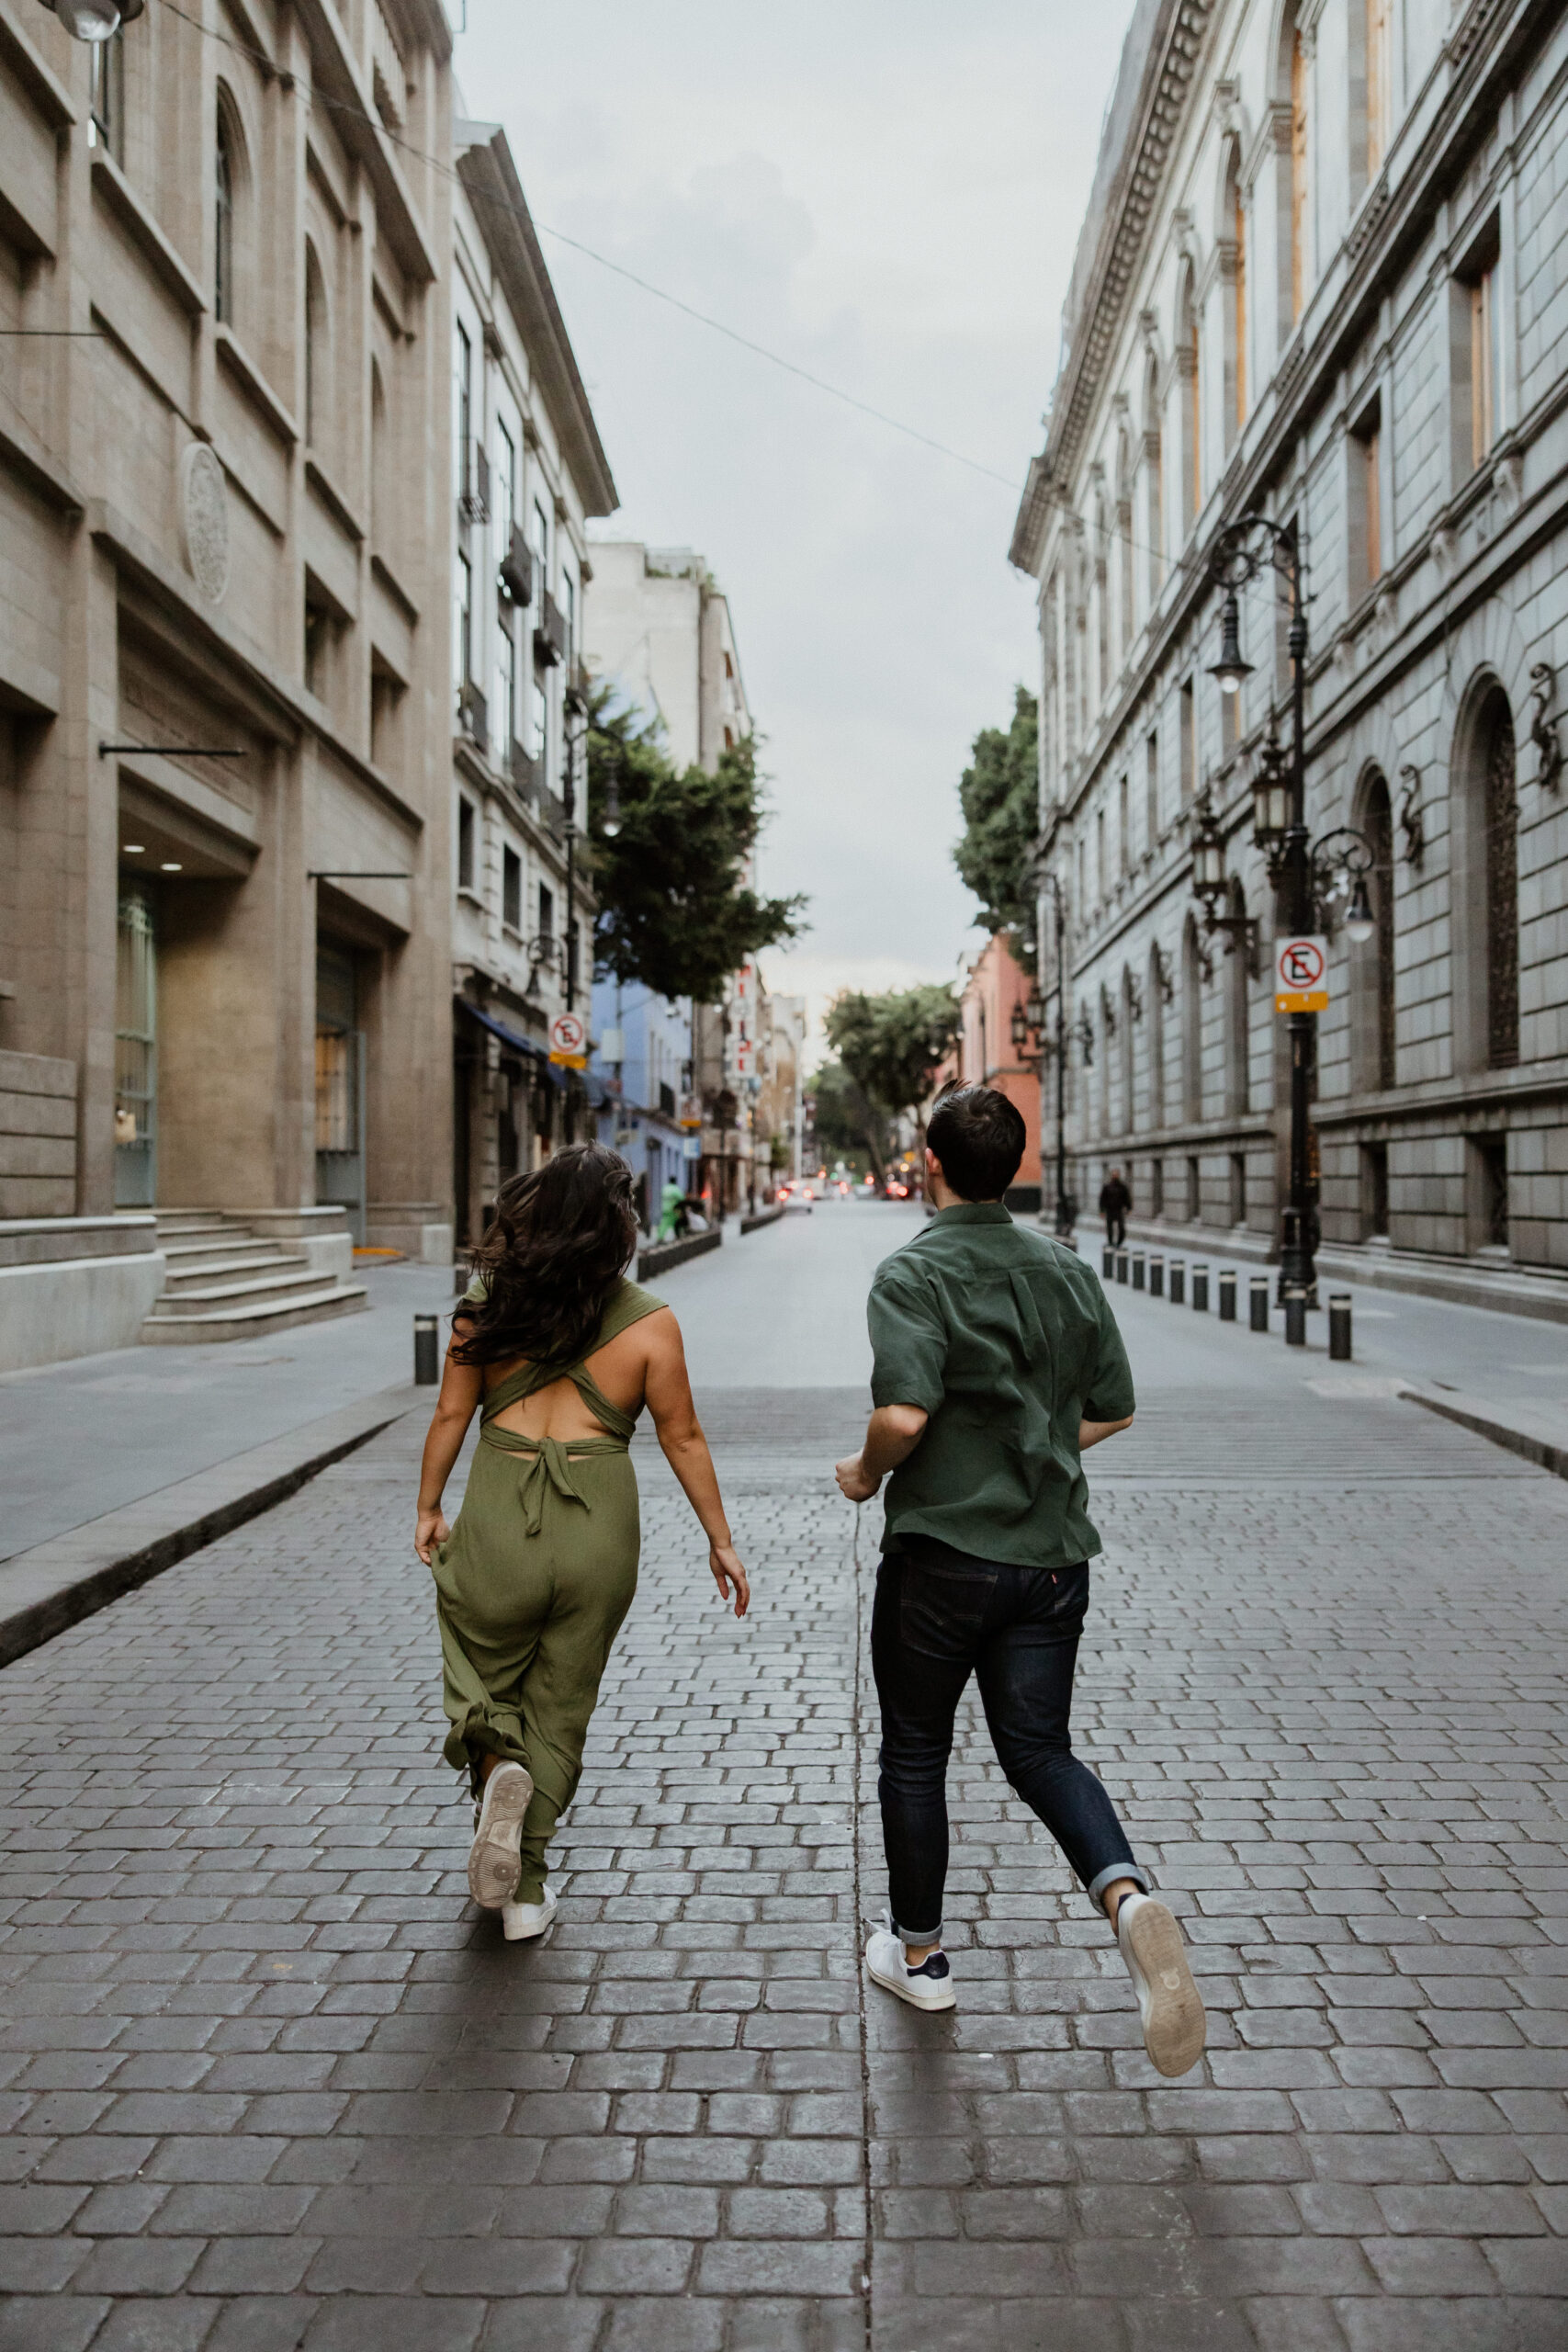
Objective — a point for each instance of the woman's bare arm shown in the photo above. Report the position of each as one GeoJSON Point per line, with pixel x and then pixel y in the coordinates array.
{"type": "Point", "coordinates": [667, 1391]}
{"type": "Point", "coordinates": [462, 1386]}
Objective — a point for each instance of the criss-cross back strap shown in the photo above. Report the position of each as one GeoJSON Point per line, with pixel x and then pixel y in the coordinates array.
{"type": "Point", "coordinates": [626, 1305]}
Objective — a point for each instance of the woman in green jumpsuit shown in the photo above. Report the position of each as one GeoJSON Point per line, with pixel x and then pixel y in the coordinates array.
{"type": "Point", "coordinates": [534, 1580]}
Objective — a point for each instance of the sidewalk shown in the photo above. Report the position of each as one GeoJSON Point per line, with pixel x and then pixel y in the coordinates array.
{"type": "Point", "coordinates": [83, 1439]}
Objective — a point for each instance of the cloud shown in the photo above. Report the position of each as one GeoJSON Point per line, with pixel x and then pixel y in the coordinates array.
{"type": "Point", "coordinates": [887, 194]}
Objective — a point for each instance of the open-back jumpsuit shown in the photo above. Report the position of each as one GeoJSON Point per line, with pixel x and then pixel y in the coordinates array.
{"type": "Point", "coordinates": [532, 1582]}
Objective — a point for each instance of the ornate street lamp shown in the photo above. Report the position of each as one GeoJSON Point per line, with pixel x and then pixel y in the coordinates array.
{"type": "Point", "coordinates": [1208, 856]}
{"type": "Point", "coordinates": [1270, 801]}
{"type": "Point", "coordinates": [1230, 669]}
{"type": "Point", "coordinates": [94, 20]}
{"type": "Point", "coordinates": [1341, 862]}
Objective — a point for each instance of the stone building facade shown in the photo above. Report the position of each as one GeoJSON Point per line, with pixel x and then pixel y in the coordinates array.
{"type": "Point", "coordinates": [528, 470]}
{"type": "Point", "coordinates": [1324, 275]}
{"type": "Point", "coordinates": [224, 743]}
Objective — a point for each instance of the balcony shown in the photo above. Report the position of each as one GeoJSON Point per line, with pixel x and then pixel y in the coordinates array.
{"type": "Point", "coordinates": [473, 495]}
{"type": "Point", "coordinates": [473, 716]}
{"type": "Point", "coordinates": [549, 632]}
{"type": "Point", "coordinates": [517, 568]}
{"type": "Point", "coordinates": [577, 684]}
{"type": "Point", "coordinates": [525, 774]}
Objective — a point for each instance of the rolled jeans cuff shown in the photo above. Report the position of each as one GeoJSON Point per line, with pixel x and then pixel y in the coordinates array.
{"type": "Point", "coordinates": [1112, 1872]}
{"type": "Point", "coordinates": [915, 1935]}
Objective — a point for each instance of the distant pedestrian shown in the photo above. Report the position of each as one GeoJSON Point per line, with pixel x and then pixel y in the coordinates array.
{"type": "Point", "coordinates": [998, 1364]}
{"type": "Point", "coordinates": [1116, 1200]}
{"type": "Point", "coordinates": [559, 1353]}
{"type": "Point", "coordinates": [673, 1220]}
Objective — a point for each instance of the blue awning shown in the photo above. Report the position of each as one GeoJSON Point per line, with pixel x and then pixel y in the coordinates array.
{"type": "Point", "coordinates": [515, 1039]}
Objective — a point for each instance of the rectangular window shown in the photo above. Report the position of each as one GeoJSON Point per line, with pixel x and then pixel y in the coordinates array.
{"type": "Point", "coordinates": [1380, 82]}
{"type": "Point", "coordinates": [511, 890]}
{"type": "Point", "coordinates": [505, 688]}
{"type": "Point", "coordinates": [542, 546]}
{"type": "Point", "coordinates": [318, 637]}
{"type": "Point", "coordinates": [569, 614]}
{"type": "Point", "coordinates": [463, 621]}
{"type": "Point", "coordinates": [1365, 502]}
{"type": "Point", "coordinates": [1483, 370]}
{"type": "Point", "coordinates": [503, 490]}
{"type": "Point", "coordinates": [105, 120]}
{"type": "Point", "coordinates": [465, 843]}
{"type": "Point", "coordinates": [1151, 793]}
{"type": "Point", "coordinates": [462, 407]}
{"type": "Point", "coordinates": [1124, 826]}
{"type": "Point", "coordinates": [539, 729]}
{"type": "Point", "coordinates": [1189, 742]}
{"type": "Point", "coordinates": [546, 911]}
{"type": "Point", "coordinates": [1101, 878]}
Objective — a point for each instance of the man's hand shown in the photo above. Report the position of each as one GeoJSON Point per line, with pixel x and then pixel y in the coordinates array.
{"type": "Point", "coordinates": [854, 1479]}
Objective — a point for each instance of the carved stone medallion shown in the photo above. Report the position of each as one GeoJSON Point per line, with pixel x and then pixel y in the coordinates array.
{"type": "Point", "coordinates": [204, 520]}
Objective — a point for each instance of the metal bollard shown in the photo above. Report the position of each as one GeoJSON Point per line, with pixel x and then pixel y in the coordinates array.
{"type": "Point", "coordinates": [1106, 1262]}
{"type": "Point", "coordinates": [1340, 1326]}
{"type": "Point", "coordinates": [426, 1351]}
{"type": "Point", "coordinates": [1178, 1281]}
{"type": "Point", "coordinates": [1121, 1265]}
{"type": "Point", "coordinates": [1227, 1293]}
{"type": "Point", "coordinates": [1295, 1315]}
{"type": "Point", "coordinates": [1156, 1274]}
{"type": "Point", "coordinates": [1260, 1302]}
{"type": "Point", "coordinates": [1137, 1270]}
{"type": "Point", "coordinates": [1200, 1290]}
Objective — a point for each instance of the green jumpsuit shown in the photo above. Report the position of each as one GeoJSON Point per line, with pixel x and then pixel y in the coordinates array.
{"type": "Point", "coordinates": [532, 1582]}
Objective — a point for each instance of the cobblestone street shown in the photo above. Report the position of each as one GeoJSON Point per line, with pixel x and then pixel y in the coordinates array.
{"type": "Point", "coordinates": [270, 2080]}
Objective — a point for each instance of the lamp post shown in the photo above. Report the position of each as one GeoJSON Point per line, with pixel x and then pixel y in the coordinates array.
{"type": "Point", "coordinates": [94, 20]}
{"type": "Point", "coordinates": [1244, 549]}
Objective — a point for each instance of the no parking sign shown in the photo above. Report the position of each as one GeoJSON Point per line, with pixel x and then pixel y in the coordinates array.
{"type": "Point", "coordinates": [1300, 974]}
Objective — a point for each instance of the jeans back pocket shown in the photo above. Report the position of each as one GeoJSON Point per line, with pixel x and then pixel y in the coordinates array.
{"type": "Point", "coordinates": [943, 1611]}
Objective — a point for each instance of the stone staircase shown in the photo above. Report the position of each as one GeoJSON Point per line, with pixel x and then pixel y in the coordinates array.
{"type": "Point", "coordinates": [226, 1281]}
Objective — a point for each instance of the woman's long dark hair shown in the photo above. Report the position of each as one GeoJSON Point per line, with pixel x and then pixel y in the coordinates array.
{"type": "Point", "coordinates": [559, 1244]}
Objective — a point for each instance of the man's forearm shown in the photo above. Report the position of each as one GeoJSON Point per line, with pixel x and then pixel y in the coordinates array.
{"type": "Point", "coordinates": [1091, 1433]}
{"type": "Point", "coordinates": [892, 1434]}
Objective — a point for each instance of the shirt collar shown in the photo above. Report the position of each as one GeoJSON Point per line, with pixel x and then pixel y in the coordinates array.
{"type": "Point", "coordinates": [975, 1212]}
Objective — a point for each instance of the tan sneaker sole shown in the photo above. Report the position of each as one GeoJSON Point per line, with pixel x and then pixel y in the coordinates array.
{"type": "Point", "coordinates": [495, 1856]}
{"type": "Point", "coordinates": [1174, 2025]}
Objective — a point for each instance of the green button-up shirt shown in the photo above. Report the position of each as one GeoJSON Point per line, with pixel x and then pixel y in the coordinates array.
{"type": "Point", "coordinates": [1006, 1339]}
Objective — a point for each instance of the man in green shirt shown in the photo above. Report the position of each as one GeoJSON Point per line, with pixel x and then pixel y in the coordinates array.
{"type": "Point", "coordinates": [996, 1365]}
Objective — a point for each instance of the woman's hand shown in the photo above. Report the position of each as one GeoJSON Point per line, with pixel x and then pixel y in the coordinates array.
{"type": "Point", "coordinates": [430, 1530]}
{"type": "Point", "coordinates": [854, 1479]}
{"type": "Point", "coordinates": [729, 1576]}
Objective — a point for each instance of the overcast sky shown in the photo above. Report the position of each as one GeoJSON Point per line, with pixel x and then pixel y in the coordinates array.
{"type": "Point", "coordinates": [887, 192]}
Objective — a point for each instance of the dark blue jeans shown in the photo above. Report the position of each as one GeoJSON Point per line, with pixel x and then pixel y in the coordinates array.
{"type": "Point", "coordinates": [940, 1616]}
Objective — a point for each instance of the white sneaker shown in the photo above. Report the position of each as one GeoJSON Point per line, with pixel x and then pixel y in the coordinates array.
{"type": "Point", "coordinates": [521, 1922]}
{"type": "Point", "coordinates": [929, 1986]}
{"type": "Point", "coordinates": [495, 1856]}
{"type": "Point", "coordinates": [1168, 2001]}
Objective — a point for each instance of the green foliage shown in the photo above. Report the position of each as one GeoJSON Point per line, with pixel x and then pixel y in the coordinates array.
{"type": "Point", "coordinates": [847, 1123]}
{"type": "Point", "coordinates": [673, 911]}
{"type": "Point", "coordinates": [891, 1045]}
{"type": "Point", "coordinates": [999, 795]}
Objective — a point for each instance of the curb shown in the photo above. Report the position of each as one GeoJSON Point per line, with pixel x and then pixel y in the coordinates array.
{"type": "Point", "coordinates": [1547, 1449]}
{"type": "Point", "coordinates": [753, 1222]}
{"type": "Point", "coordinates": [656, 1258]}
{"type": "Point", "coordinates": [56, 1584]}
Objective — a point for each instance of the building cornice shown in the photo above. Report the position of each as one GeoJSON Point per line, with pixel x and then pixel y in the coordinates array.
{"type": "Point", "coordinates": [488, 175]}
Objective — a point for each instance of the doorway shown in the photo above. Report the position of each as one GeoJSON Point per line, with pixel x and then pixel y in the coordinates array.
{"type": "Point", "coordinates": [339, 1090]}
{"type": "Point", "coordinates": [136, 1052]}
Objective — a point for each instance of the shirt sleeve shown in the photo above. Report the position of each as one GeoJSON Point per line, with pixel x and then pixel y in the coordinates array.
{"type": "Point", "coordinates": [908, 1343]}
{"type": "Point", "coordinates": [1109, 1396]}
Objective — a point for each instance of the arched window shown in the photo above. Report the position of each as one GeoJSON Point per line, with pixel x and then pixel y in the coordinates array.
{"type": "Point", "coordinates": [1298, 170]}
{"type": "Point", "coordinates": [1237, 1089]}
{"type": "Point", "coordinates": [223, 218]}
{"type": "Point", "coordinates": [1154, 479]}
{"type": "Point", "coordinates": [1192, 1025]}
{"type": "Point", "coordinates": [317, 351]}
{"type": "Point", "coordinates": [1129, 1113]}
{"type": "Point", "coordinates": [1189, 370]}
{"type": "Point", "coordinates": [1372, 967]}
{"type": "Point", "coordinates": [1107, 1039]}
{"type": "Point", "coordinates": [1494, 740]}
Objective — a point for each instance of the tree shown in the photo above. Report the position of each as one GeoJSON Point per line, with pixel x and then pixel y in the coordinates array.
{"type": "Point", "coordinates": [999, 795]}
{"type": "Point", "coordinates": [846, 1120]}
{"type": "Point", "coordinates": [890, 1047]}
{"type": "Point", "coordinates": [674, 909]}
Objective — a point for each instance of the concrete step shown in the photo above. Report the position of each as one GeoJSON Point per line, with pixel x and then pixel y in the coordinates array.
{"type": "Point", "coordinates": [176, 1221]}
{"type": "Point", "coordinates": [191, 1297]}
{"type": "Point", "coordinates": [188, 1258]}
{"type": "Point", "coordinates": [183, 1280]}
{"type": "Point", "coordinates": [256, 1321]}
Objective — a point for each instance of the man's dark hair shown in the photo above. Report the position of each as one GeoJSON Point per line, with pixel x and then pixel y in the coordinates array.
{"type": "Point", "coordinates": [979, 1137]}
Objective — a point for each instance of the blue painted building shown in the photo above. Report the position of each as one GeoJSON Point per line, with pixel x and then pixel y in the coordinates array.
{"type": "Point", "coordinates": [642, 1054]}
